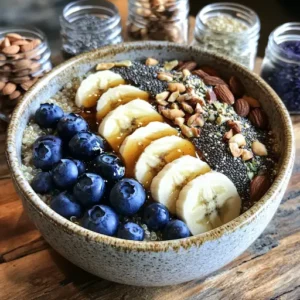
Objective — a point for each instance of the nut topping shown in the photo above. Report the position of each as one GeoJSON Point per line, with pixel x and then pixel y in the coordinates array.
{"type": "Point", "coordinates": [251, 101]}
{"type": "Point", "coordinates": [224, 94]}
{"type": "Point", "coordinates": [170, 65]}
{"type": "Point", "coordinates": [195, 120]}
{"type": "Point", "coordinates": [259, 149]}
{"type": "Point", "coordinates": [235, 150]}
{"type": "Point", "coordinates": [259, 186]}
{"type": "Point", "coordinates": [173, 97]}
{"type": "Point", "coordinates": [236, 86]}
{"type": "Point", "coordinates": [187, 108]}
{"type": "Point", "coordinates": [235, 126]}
{"type": "Point", "coordinates": [228, 135]}
{"type": "Point", "coordinates": [104, 66]}
{"type": "Point", "coordinates": [179, 121]}
{"type": "Point", "coordinates": [258, 118]}
{"type": "Point", "coordinates": [242, 107]}
{"type": "Point", "coordinates": [188, 65]}
{"type": "Point", "coordinates": [164, 76]}
{"type": "Point", "coordinates": [213, 80]}
{"type": "Point", "coordinates": [247, 155]}
{"type": "Point", "coordinates": [151, 62]}
{"type": "Point", "coordinates": [172, 113]}
{"type": "Point", "coordinates": [238, 139]}
{"type": "Point", "coordinates": [176, 86]}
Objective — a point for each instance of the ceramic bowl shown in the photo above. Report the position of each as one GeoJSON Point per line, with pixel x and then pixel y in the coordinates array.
{"type": "Point", "coordinates": [150, 263]}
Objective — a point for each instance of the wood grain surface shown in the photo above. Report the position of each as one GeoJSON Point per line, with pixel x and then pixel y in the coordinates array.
{"type": "Point", "coordinates": [31, 269]}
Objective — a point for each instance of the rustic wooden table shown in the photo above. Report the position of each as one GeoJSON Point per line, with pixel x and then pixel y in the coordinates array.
{"type": "Point", "coordinates": [31, 269]}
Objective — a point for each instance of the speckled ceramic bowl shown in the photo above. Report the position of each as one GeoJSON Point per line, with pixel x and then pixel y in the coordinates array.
{"type": "Point", "coordinates": [150, 263]}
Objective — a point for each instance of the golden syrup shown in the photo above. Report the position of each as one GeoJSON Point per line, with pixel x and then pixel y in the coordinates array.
{"type": "Point", "coordinates": [123, 99]}
{"type": "Point", "coordinates": [89, 114]}
{"type": "Point", "coordinates": [115, 141]}
{"type": "Point", "coordinates": [134, 148]}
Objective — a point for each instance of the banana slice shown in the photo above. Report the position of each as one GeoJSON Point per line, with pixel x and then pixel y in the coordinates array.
{"type": "Point", "coordinates": [116, 96]}
{"type": "Point", "coordinates": [207, 202]}
{"type": "Point", "coordinates": [123, 120]}
{"type": "Point", "coordinates": [166, 185]}
{"type": "Point", "coordinates": [134, 144]}
{"type": "Point", "coordinates": [158, 154]}
{"type": "Point", "coordinates": [94, 85]}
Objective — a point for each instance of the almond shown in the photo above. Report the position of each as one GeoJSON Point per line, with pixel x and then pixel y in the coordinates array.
{"type": "Point", "coordinates": [22, 64]}
{"type": "Point", "coordinates": [104, 66]}
{"type": "Point", "coordinates": [172, 114]}
{"type": "Point", "coordinates": [242, 107]}
{"type": "Point", "coordinates": [31, 45]}
{"type": "Point", "coordinates": [236, 86]}
{"type": "Point", "coordinates": [198, 108]}
{"type": "Point", "coordinates": [259, 148]}
{"type": "Point", "coordinates": [189, 65]}
{"type": "Point", "coordinates": [179, 121]}
{"type": "Point", "coordinates": [200, 73]}
{"type": "Point", "coordinates": [11, 50]}
{"type": "Point", "coordinates": [238, 139]}
{"type": "Point", "coordinates": [14, 37]}
{"type": "Point", "coordinates": [9, 88]}
{"type": "Point", "coordinates": [235, 150]}
{"type": "Point", "coordinates": [176, 86]}
{"type": "Point", "coordinates": [19, 80]}
{"type": "Point", "coordinates": [195, 120]}
{"type": "Point", "coordinates": [224, 94]}
{"type": "Point", "coordinates": [123, 63]}
{"type": "Point", "coordinates": [16, 94]}
{"type": "Point", "coordinates": [251, 101]}
{"type": "Point", "coordinates": [246, 155]}
{"type": "Point", "coordinates": [196, 131]}
{"type": "Point", "coordinates": [210, 71]}
{"type": "Point", "coordinates": [20, 42]}
{"type": "Point", "coordinates": [228, 135]}
{"type": "Point", "coordinates": [170, 65]}
{"type": "Point", "coordinates": [28, 84]}
{"type": "Point", "coordinates": [6, 43]}
{"type": "Point", "coordinates": [151, 62]}
{"type": "Point", "coordinates": [186, 131]}
{"type": "Point", "coordinates": [187, 108]}
{"type": "Point", "coordinates": [161, 98]}
{"type": "Point", "coordinates": [173, 97]}
{"type": "Point", "coordinates": [259, 186]}
{"type": "Point", "coordinates": [174, 106]}
{"type": "Point", "coordinates": [164, 76]}
{"type": "Point", "coordinates": [258, 118]}
{"type": "Point", "coordinates": [213, 80]}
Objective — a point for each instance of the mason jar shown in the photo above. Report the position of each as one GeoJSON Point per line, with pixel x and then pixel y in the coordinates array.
{"type": "Point", "coordinates": [25, 56]}
{"type": "Point", "coordinates": [281, 64]}
{"type": "Point", "coordinates": [229, 29]}
{"type": "Point", "coordinates": [160, 20]}
{"type": "Point", "coordinates": [89, 24]}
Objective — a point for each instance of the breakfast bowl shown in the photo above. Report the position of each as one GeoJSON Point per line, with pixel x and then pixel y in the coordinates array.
{"type": "Point", "coordinates": [151, 263]}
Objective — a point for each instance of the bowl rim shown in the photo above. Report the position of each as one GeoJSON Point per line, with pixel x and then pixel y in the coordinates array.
{"type": "Point", "coordinates": [42, 208]}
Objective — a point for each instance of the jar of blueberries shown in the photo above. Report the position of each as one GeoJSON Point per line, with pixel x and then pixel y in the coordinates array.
{"type": "Point", "coordinates": [281, 65]}
{"type": "Point", "coordinates": [89, 24]}
{"type": "Point", "coordinates": [161, 20]}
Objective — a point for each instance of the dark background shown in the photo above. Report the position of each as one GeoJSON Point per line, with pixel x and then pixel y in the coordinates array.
{"type": "Point", "coordinates": [44, 14]}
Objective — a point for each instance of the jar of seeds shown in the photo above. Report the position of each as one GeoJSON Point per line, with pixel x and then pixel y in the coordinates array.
{"type": "Point", "coordinates": [281, 65]}
{"type": "Point", "coordinates": [229, 29]}
{"type": "Point", "coordinates": [24, 57]}
{"type": "Point", "coordinates": [89, 24]}
{"type": "Point", "coordinates": [161, 20]}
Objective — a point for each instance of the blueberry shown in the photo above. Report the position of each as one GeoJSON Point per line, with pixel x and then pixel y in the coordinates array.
{"type": "Point", "coordinates": [80, 166]}
{"type": "Point", "coordinates": [109, 166]}
{"type": "Point", "coordinates": [42, 183]}
{"type": "Point", "coordinates": [65, 173]}
{"type": "Point", "coordinates": [48, 115]}
{"type": "Point", "coordinates": [127, 196]}
{"type": "Point", "coordinates": [85, 145]}
{"type": "Point", "coordinates": [71, 124]}
{"type": "Point", "coordinates": [65, 205]}
{"type": "Point", "coordinates": [101, 219]}
{"type": "Point", "coordinates": [47, 151]}
{"type": "Point", "coordinates": [174, 230]}
{"type": "Point", "coordinates": [89, 189]}
{"type": "Point", "coordinates": [156, 216]}
{"type": "Point", "coordinates": [131, 231]}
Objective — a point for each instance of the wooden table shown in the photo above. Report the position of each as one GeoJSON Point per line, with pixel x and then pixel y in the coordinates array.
{"type": "Point", "coordinates": [31, 269]}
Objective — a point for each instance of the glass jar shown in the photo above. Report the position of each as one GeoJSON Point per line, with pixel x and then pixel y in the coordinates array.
{"type": "Point", "coordinates": [281, 65]}
{"type": "Point", "coordinates": [89, 24]}
{"type": "Point", "coordinates": [229, 29]}
{"type": "Point", "coordinates": [24, 57]}
{"type": "Point", "coordinates": [160, 20]}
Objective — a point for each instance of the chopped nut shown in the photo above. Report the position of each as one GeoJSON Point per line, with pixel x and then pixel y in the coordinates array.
{"type": "Point", "coordinates": [235, 150]}
{"type": "Point", "coordinates": [179, 121]}
{"type": "Point", "coordinates": [221, 119]}
{"type": "Point", "coordinates": [173, 97]}
{"type": "Point", "coordinates": [246, 155]}
{"type": "Point", "coordinates": [123, 63]}
{"type": "Point", "coordinates": [228, 135]}
{"type": "Point", "coordinates": [172, 113]}
{"type": "Point", "coordinates": [151, 62]}
{"type": "Point", "coordinates": [259, 149]}
{"type": "Point", "coordinates": [160, 98]}
{"type": "Point", "coordinates": [170, 65]}
{"type": "Point", "coordinates": [186, 131]}
{"type": "Point", "coordinates": [195, 120]}
{"type": "Point", "coordinates": [186, 73]}
{"type": "Point", "coordinates": [175, 106]}
{"type": "Point", "coordinates": [198, 108]}
{"type": "Point", "coordinates": [176, 86]}
{"type": "Point", "coordinates": [238, 139]}
{"type": "Point", "coordinates": [196, 131]}
{"type": "Point", "coordinates": [164, 76]}
{"type": "Point", "coordinates": [189, 65]}
{"type": "Point", "coordinates": [235, 126]}
{"type": "Point", "coordinates": [186, 107]}
{"type": "Point", "coordinates": [160, 108]}
{"type": "Point", "coordinates": [104, 66]}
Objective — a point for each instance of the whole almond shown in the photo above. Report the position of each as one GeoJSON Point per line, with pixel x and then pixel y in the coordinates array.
{"type": "Point", "coordinates": [258, 118]}
{"type": "Point", "coordinates": [20, 80]}
{"type": "Point", "coordinates": [22, 64]}
{"type": "Point", "coordinates": [35, 66]}
{"type": "Point", "coordinates": [10, 50]}
{"type": "Point", "coordinates": [236, 86]}
{"type": "Point", "coordinates": [213, 80]}
{"type": "Point", "coordinates": [14, 37]}
{"type": "Point", "coordinates": [9, 88]}
{"type": "Point", "coordinates": [20, 42]}
{"type": "Point", "coordinates": [6, 43]}
{"type": "Point", "coordinates": [189, 65]}
{"type": "Point", "coordinates": [16, 94]}
{"type": "Point", "coordinates": [224, 94]}
{"type": "Point", "coordinates": [200, 73]}
{"type": "Point", "coordinates": [251, 101]}
{"type": "Point", "coordinates": [2, 85]}
{"type": "Point", "coordinates": [259, 186]}
{"type": "Point", "coordinates": [31, 45]}
{"type": "Point", "coordinates": [242, 107]}
{"type": "Point", "coordinates": [28, 84]}
{"type": "Point", "coordinates": [23, 72]}
{"type": "Point", "coordinates": [209, 70]}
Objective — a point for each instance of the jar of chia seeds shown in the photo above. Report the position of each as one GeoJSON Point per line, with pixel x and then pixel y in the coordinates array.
{"type": "Point", "coordinates": [160, 20]}
{"type": "Point", "coordinates": [89, 24]}
{"type": "Point", "coordinates": [281, 65]}
{"type": "Point", "coordinates": [229, 29]}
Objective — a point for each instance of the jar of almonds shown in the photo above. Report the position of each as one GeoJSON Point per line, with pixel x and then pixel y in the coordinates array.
{"type": "Point", "coordinates": [24, 57]}
{"type": "Point", "coordinates": [161, 20]}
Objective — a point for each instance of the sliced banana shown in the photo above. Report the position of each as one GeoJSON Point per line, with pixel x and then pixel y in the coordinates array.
{"type": "Point", "coordinates": [159, 153]}
{"type": "Point", "coordinates": [207, 202]}
{"type": "Point", "coordinates": [116, 96]}
{"type": "Point", "coordinates": [166, 185]}
{"type": "Point", "coordinates": [123, 120]}
{"type": "Point", "coordinates": [134, 144]}
{"type": "Point", "coordinates": [94, 85]}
